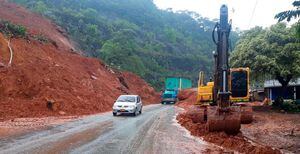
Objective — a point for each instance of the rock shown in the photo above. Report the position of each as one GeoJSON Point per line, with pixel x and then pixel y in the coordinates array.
{"type": "Point", "coordinates": [2, 65]}
{"type": "Point", "coordinates": [53, 105]}
{"type": "Point", "coordinates": [62, 113]}
{"type": "Point", "coordinates": [94, 77]}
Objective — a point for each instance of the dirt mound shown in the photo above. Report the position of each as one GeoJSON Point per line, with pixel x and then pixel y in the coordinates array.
{"type": "Point", "coordinates": [73, 85]}
{"type": "Point", "coordinates": [139, 86]}
{"type": "Point", "coordinates": [185, 94]}
{"type": "Point", "coordinates": [187, 98]}
{"type": "Point", "coordinates": [35, 24]}
{"type": "Point", "coordinates": [46, 79]}
{"type": "Point", "coordinates": [77, 85]}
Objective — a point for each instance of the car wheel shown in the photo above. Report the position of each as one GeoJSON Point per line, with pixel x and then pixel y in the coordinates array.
{"type": "Point", "coordinates": [114, 114]}
{"type": "Point", "coordinates": [134, 113]}
{"type": "Point", "coordinates": [141, 111]}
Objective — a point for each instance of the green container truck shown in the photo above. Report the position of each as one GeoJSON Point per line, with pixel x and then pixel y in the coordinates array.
{"type": "Point", "coordinates": [172, 86]}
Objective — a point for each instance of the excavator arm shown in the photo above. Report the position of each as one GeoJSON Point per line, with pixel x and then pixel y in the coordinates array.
{"type": "Point", "coordinates": [222, 70]}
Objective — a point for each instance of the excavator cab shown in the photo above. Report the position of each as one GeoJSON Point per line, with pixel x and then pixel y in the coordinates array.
{"type": "Point", "coordinates": [239, 84]}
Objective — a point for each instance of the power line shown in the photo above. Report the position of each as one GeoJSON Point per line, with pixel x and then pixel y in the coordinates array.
{"type": "Point", "coordinates": [253, 11]}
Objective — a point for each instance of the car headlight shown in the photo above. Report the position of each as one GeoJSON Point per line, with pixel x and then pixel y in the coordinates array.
{"type": "Point", "coordinates": [132, 106]}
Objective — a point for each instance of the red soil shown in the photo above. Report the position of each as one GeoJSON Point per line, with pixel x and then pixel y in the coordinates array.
{"type": "Point", "coordinates": [139, 86]}
{"type": "Point", "coordinates": [35, 24]}
{"type": "Point", "coordinates": [42, 73]}
{"type": "Point", "coordinates": [249, 140]}
{"type": "Point", "coordinates": [39, 73]}
{"type": "Point", "coordinates": [187, 98]}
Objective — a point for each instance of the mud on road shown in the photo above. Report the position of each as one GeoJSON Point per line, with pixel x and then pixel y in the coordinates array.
{"type": "Point", "coordinates": [270, 132]}
{"type": "Point", "coordinates": [154, 131]}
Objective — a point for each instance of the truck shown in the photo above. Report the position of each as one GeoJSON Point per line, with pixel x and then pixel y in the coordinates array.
{"type": "Point", "coordinates": [172, 87]}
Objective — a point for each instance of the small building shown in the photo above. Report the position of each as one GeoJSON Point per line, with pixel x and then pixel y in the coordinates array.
{"type": "Point", "coordinates": [273, 89]}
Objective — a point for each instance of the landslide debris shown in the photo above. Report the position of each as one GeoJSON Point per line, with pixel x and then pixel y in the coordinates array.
{"type": "Point", "coordinates": [48, 79]}
{"type": "Point", "coordinates": [73, 84]}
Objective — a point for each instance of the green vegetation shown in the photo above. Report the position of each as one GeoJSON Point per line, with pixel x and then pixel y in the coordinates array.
{"type": "Point", "coordinates": [287, 105]}
{"type": "Point", "coordinates": [12, 30]}
{"type": "Point", "coordinates": [288, 15]}
{"type": "Point", "coordinates": [270, 53]}
{"type": "Point", "coordinates": [134, 35]}
{"type": "Point", "coordinates": [41, 38]}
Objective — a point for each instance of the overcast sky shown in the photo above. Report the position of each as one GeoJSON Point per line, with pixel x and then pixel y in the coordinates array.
{"type": "Point", "coordinates": [244, 13]}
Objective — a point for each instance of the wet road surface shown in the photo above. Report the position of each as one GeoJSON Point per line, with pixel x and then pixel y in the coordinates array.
{"type": "Point", "coordinates": [154, 131]}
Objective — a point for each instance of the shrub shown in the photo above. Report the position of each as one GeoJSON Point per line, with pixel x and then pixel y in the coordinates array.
{"type": "Point", "coordinates": [41, 38]}
{"type": "Point", "coordinates": [278, 102]}
{"type": "Point", "coordinates": [12, 30]}
{"type": "Point", "coordinates": [291, 106]}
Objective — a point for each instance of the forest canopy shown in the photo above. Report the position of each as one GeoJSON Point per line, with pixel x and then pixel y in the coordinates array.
{"type": "Point", "coordinates": [135, 35]}
{"type": "Point", "coordinates": [271, 53]}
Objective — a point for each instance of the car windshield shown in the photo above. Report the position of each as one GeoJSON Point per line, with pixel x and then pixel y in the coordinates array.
{"type": "Point", "coordinates": [126, 99]}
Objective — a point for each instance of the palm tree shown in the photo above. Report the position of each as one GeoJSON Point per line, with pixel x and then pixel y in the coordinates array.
{"type": "Point", "coordinates": [288, 15]}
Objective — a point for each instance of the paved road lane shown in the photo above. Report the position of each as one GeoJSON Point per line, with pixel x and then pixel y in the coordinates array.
{"type": "Point", "coordinates": [154, 131]}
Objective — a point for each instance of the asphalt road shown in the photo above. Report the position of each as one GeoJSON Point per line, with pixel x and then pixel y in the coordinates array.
{"type": "Point", "coordinates": [154, 131]}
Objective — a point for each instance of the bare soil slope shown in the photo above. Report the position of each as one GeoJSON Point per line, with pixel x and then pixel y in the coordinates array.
{"type": "Point", "coordinates": [49, 72]}
{"type": "Point", "coordinates": [34, 23]}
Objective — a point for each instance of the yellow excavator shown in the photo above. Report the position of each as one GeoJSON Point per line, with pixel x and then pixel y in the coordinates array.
{"type": "Point", "coordinates": [239, 85]}
{"type": "Point", "coordinates": [219, 101]}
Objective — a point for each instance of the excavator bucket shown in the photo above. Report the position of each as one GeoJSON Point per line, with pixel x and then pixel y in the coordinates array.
{"type": "Point", "coordinates": [229, 121]}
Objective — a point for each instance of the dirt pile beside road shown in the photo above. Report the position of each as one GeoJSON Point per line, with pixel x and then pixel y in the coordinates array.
{"type": "Point", "coordinates": [187, 93]}
{"type": "Point", "coordinates": [187, 98]}
{"type": "Point", "coordinates": [139, 86]}
{"type": "Point", "coordinates": [69, 83]}
{"type": "Point", "coordinates": [239, 142]}
{"type": "Point", "coordinates": [46, 79]}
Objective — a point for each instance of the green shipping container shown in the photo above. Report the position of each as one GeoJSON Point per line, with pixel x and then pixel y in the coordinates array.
{"type": "Point", "coordinates": [185, 83]}
{"type": "Point", "coordinates": [178, 83]}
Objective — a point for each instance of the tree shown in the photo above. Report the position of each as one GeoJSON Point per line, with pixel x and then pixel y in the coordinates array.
{"type": "Point", "coordinates": [288, 15]}
{"type": "Point", "coordinates": [40, 7]}
{"type": "Point", "coordinates": [135, 35]}
{"type": "Point", "coordinates": [271, 52]}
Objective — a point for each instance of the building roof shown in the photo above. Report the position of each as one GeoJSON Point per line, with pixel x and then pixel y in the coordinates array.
{"type": "Point", "coordinates": [275, 83]}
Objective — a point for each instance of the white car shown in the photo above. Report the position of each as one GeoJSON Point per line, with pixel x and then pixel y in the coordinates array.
{"type": "Point", "coordinates": [130, 104]}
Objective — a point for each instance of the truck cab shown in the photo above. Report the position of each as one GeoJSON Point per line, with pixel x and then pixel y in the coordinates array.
{"type": "Point", "coordinates": [172, 87]}
{"type": "Point", "coordinates": [169, 96]}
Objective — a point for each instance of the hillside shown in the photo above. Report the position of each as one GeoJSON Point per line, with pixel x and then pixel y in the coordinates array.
{"type": "Point", "coordinates": [47, 78]}
{"type": "Point", "coordinates": [134, 35]}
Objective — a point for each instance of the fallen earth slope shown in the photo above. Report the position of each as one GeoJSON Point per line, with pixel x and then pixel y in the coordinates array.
{"type": "Point", "coordinates": [47, 79]}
